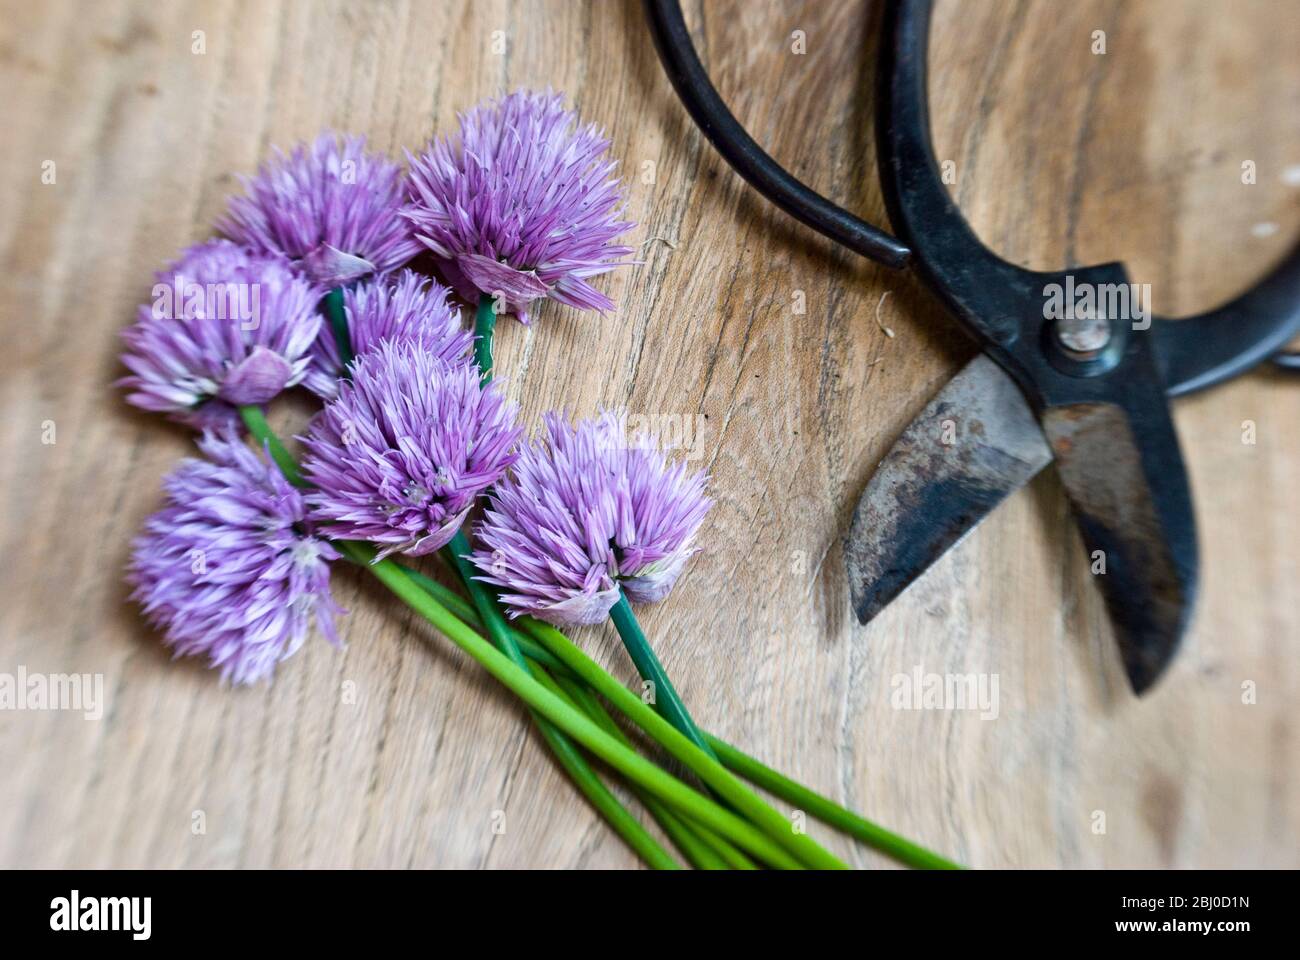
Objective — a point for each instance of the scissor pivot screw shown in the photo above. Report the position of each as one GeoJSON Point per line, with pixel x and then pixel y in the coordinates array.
{"type": "Point", "coordinates": [1083, 337]}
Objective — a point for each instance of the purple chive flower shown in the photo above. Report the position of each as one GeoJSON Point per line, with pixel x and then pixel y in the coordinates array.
{"type": "Point", "coordinates": [229, 569]}
{"type": "Point", "coordinates": [400, 455]}
{"type": "Point", "coordinates": [521, 205]}
{"type": "Point", "coordinates": [331, 207]}
{"type": "Point", "coordinates": [406, 306]}
{"type": "Point", "coordinates": [226, 327]}
{"type": "Point", "coordinates": [583, 514]}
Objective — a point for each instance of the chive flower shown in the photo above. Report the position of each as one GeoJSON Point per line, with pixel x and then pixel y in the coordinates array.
{"type": "Point", "coordinates": [231, 569]}
{"type": "Point", "coordinates": [400, 455]}
{"type": "Point", "coordinates": [226, 327]}
{"type": "Point", "coordinates": [403, 306]}
{"type": "Point", "coordinates": [520, 205]}
{"type": "Point", "coordinates": [583, 513]}
{"type": "Point", "coordinates": [332, 207]}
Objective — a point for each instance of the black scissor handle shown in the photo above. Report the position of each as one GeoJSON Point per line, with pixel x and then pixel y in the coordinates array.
{"type": "Point", "coordinates": [980, 287]}
{"type": "Point", "coordinates": [697, 93]}
{"type": "Point", "coordinates": [985, 291]}
{"type": "Point", "coordinates": [1200, 351]}
{"type": "Point", "coordinates": [1287, 360]}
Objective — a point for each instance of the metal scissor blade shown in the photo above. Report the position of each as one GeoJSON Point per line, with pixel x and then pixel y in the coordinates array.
{"type": "Point", "coordinates": [975, 443]}
{"type": "Point", "coordinates": [1127, 484]}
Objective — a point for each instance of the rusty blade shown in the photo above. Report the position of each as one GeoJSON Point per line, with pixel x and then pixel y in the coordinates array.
{"type": "Point", "coordinates": [1125, 478]}
{"type": "Point", "coordinates": [975, 443]}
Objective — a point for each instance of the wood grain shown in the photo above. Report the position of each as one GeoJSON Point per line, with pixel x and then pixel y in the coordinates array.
{"type": "Point", "coordinates": [1062, 156]}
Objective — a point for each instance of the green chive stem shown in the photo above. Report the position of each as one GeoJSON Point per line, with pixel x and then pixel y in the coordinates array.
{"type": "Point", "coordinates": [585, 731]}
{"type": "Point", "coordinates": [338, 319]}
{"type": "Point", "coordinates": [261, 431]}
{"type": "Point", "coordinates": [485, 321]}
{"type": "Point", "coordinates": [666, 700]}
{"type": "Point", "coordinates": [708, 769]}
{"type": "Point", "coordinates": [627, 826]}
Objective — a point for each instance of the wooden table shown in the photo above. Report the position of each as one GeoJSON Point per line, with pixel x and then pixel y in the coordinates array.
{"type": "Point", "coordinates": [793, 366]}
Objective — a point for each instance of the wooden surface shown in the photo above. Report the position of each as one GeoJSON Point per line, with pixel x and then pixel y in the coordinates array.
{"type": "Point", "coordinates": [1061, 155]}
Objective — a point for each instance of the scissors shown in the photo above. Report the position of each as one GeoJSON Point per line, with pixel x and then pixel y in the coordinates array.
{"type": "Point", "coordinates": [1071, 372]}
